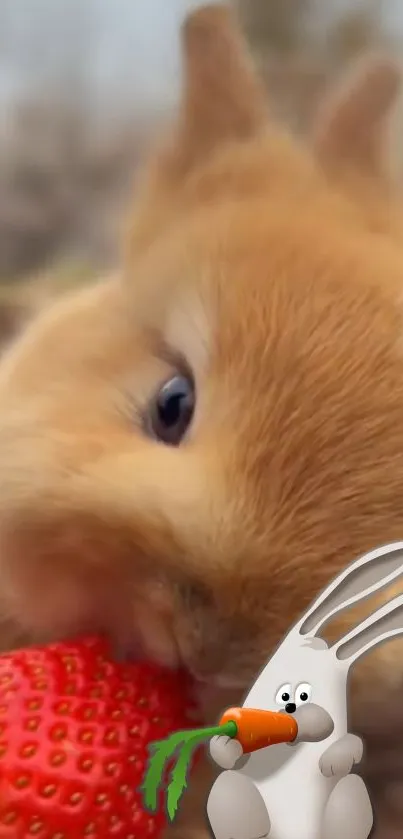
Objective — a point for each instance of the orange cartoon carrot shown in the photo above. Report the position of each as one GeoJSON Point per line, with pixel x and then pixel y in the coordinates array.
{"type": "Point", "coordinates": [257, 729]}
{"type": "Point", "coordinates": [254, 729]}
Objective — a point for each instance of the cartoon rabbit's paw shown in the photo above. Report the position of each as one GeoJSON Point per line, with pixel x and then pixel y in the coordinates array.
{"type": "Point", "coordinates": [225, 751]}
{"type": "Point", "coordinates": [340, 758]}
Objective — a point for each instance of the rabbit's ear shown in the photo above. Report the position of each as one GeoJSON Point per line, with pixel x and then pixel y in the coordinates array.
{"type": "Point", "coordinates": [223, 99]}
{"type": "Point", "coordinates": [382, 625]}
{"type": "Point", "coordinates": [223, 102]}
{"type": "Point", "coordinates": [367, 575]}
{"type": "Point", "coordinates": [350, 127]}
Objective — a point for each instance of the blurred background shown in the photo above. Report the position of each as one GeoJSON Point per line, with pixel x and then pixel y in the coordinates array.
{"type": "Point", "coordinates": [85, 84]}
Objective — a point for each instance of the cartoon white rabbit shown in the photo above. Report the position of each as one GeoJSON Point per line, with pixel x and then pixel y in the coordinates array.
{"type": "Point", "coordinates": [304, 789]}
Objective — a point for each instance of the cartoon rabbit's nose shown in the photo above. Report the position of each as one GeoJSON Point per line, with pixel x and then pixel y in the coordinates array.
{"type": "Point", "coordinates": [291, 707]}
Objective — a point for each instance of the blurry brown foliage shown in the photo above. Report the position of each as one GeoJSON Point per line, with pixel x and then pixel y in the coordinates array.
{"type": "Point", "coordinates": [63, 185]}
{"type": "Point", "coordinates": [58, 186]}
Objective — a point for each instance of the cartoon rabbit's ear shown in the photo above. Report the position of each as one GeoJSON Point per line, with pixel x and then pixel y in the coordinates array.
{"type": "Point", "coordinates": [367, 575]}
{"type": "Point", "coordinates": [382, 625]}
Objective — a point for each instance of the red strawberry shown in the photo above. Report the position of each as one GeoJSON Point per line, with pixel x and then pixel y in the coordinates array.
{"type": "Point", "coordinates": [74, 731]}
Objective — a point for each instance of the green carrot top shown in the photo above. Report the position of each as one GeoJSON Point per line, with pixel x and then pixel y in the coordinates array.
{"type": "Point", "coordinates": [182, 743]}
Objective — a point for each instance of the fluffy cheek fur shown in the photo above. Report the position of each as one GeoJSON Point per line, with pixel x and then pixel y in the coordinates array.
{"type": "Point", "coordinates": [80, 485]}
{"type": "Point", "coordinates": [101, 527]}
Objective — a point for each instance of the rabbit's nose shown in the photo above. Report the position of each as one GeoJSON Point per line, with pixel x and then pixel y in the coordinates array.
{"type": "Point", "coordinates": [291, 707]}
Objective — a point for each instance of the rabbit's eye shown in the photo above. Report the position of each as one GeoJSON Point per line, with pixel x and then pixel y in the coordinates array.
{"type": "Point", "coordinates": [172, 410]}
{"type": "Point", "coordinates": [283, 695]}
{"type": "Point", "coordinates": [303, 693]}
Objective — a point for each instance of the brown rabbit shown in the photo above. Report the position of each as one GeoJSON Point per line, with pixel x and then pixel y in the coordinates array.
{"type": "Point", "coordinates": [191, 449]}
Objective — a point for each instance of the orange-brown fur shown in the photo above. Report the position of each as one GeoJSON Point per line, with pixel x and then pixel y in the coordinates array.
{"type": "Point", "coordinates": [277, 272]}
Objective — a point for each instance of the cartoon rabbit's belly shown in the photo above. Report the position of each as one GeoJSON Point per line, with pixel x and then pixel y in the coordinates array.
{"type": "Point", "coordinates": [295, 797]}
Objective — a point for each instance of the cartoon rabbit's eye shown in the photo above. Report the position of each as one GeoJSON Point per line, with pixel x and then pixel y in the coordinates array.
{"type": "Point", "coordinates": [303, 693]}
{"type": "Point", "coordinates": [283, 695]}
